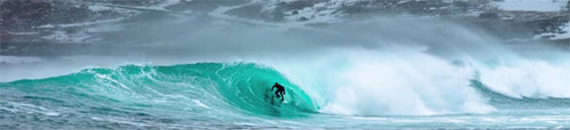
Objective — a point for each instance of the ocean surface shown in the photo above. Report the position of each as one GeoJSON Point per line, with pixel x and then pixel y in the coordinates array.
{"type": "Point", "coordinates": [237, 95]}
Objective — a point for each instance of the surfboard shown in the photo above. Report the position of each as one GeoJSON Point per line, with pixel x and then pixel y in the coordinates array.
{"type": "Point", "coordinates": [271, 98]}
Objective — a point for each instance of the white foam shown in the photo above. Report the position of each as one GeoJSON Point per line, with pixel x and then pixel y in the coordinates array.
{"type": "Point", "coordinates": [97, 7]}
{"type": "Point", "coordinates": [529, 78]}
{"type": "Point", "coordinates": [401, 82]}
{"type": "Point", "coordinates": [557, 36]}
{"type": "Point", "coordinates": [199, 103]}
{"type": "Point", "coordinates": [29, 108]}
{"type": "Point", "coordinates": [409, 81]}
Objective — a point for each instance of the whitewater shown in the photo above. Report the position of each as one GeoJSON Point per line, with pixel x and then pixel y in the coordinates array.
{"type": "Point", "coordinates": [387, 73]}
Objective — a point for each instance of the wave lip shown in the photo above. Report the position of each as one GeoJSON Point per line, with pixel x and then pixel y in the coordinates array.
{"type": "Point", "coordinates": [500, 100]}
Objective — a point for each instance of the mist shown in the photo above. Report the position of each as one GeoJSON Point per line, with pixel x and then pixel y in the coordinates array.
{"type": "Point", "coordinates": [189, 39]}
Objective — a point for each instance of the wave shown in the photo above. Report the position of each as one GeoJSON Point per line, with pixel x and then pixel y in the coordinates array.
{"type": "Point", "coordinates": [346, 82]}
{"type": "Point", "coordinates": [500, 100]}
{"type": "Point", "coordinates": [196, 87]}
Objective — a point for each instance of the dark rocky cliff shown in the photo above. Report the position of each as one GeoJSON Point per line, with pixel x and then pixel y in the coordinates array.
{"type": "Point", "coordinates": [32, 25]}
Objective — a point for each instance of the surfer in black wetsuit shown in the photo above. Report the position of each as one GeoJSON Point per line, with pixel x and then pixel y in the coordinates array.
{"type": "Point", "coordinates": [280, 90]}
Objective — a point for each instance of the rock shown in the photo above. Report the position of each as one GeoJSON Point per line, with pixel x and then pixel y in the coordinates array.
{"type": "Point", "coordinates": [23, 16]}
{"type": "Point", "coordinates": [489, 15]}
{"type": "Point", "coordinates": [303, 19]}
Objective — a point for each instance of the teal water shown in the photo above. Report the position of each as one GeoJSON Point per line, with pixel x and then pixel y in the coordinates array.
{"type": "Point", "coordinates": [224, 96]}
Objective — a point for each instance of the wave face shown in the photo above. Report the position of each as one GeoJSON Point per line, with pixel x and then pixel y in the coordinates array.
{"type": "Point", "coordinates": [164, 91]}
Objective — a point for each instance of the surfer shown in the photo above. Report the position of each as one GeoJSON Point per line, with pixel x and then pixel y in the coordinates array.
{"type": "Point", "coordinates": [280, 90]}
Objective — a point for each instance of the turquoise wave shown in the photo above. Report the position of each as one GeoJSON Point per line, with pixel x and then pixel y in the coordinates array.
{"type": "Point", "coordinates": [167, 90]}
{"type": "Point", "coordinates": [188, 91]}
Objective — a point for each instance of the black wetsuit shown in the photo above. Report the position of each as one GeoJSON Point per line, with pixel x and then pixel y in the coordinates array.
{"type": "Point", "coordinates": [280, 90]}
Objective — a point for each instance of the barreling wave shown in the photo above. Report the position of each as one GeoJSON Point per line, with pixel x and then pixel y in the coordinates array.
{"type": "Point", "coordinates": [227, 88]}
